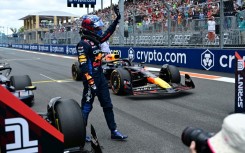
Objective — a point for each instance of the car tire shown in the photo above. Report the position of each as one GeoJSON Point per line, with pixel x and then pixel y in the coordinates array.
{"type": "Point", "coordinates": [20, 82]}
{"type": "Point", "coordinates": [118, 76]}
{"type": "Point", "coordinates": [69, 120]}
{"type": "Point", "coordinates": [170, 73]}
{"type": "Point", "coordinates": [76, 72]}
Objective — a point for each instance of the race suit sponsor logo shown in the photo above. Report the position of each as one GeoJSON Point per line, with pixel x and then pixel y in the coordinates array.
{"type": "Point", "coordinates": [71, 50]}
{"type": "Point", "coordinates": [95, 52]}
{"type": "Point", "coordinates": [131, 54]}
{"type": "Point", "coordinates": [56, 49]}
{"type": "Point", "coordinates": [20, 128]}
{"type": "Point", "coordinates": [240, 91]}
{"type": "Point", "coordinates": [207, 59]}
{"type": "Point", "coordinates": [156, 56]}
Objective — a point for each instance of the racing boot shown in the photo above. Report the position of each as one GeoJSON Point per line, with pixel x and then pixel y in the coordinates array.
{"type": "Point", "coordinates": [116, 135]}
{"type": "Point", "coordinates": [88, 139]}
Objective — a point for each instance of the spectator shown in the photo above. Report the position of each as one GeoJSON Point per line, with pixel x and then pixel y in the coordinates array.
{"type": "Point", "coordinates": [179, 21]}
{"type": "Point", "coordinates": [242, 29]}
{"type": "Point", "coordinates": [211, 29]}
{"type": "Point", "coordinates": [230, 139]}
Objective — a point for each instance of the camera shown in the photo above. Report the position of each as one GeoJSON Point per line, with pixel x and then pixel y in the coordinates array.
{"type": "Point", "coordinates": [199, 136]}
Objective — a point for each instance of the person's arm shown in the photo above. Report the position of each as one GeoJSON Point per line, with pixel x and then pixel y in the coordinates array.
{"type": "Point", "coordinates": [82, 51]}
{"type": "Point", "coordinates": [110, 30]}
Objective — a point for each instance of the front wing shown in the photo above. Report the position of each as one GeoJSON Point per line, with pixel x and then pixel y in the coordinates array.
{"type": "Point", "coordinates": [154, 89]}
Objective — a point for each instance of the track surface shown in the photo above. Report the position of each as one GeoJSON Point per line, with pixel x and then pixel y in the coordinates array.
{"type": "Point", "coordinates": [154, 123]}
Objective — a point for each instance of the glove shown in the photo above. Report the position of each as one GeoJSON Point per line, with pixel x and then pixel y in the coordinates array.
{"type": "Point", "coordinates": [90, 82]}
{"type": "Point", "coordinates": [116, 10]}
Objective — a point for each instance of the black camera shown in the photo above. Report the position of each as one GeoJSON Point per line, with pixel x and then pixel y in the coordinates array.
{"type": "Point", "coordinates": [199, 136]}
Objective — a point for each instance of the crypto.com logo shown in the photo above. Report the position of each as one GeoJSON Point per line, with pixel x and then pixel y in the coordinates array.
{"type": "Point", "coordinates": [21, 143]}
{"type": "Point", "coordinates": [207, 59]}
{"type": "Point", "coordinates": [131, 54]}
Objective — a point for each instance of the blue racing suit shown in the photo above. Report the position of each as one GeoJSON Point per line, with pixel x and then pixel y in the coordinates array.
{"type": "Point", "coordinates": [89, 57]}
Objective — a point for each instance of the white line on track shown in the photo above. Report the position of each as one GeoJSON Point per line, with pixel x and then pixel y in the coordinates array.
{"type": "Point", "coordinates": [226, 79]}
{"type": "Point", "coordinates": [28, 59]}
{"type": "Point", "coordinates": [48, 77]}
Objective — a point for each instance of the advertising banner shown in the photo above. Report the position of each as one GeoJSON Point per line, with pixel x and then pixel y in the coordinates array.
{"type": "Point", "coordinates": [60, 49]}
{"type": "Point", "coordinates": [26, 47]}
{"type": "Point", "coordinates": [239, 84]}
{"type": "Point", "coordinates": [34, 47]}
{"type": "Point", "coordinates": [93, 2]}
{"type": "Point", "coordinates": [44, 48]}
{"type": "Point", "coordinates": [220, 60]}
{"type": "Point", "coordinates": [71, 50]}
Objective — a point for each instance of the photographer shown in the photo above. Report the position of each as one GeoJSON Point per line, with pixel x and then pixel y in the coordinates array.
{"type": "Point", "coordinates": [230, 139]}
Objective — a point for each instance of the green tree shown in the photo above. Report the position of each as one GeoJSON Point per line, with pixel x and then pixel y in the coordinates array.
{"type": "Point", "coordinates": [21, 29]}
{"type": "Point", "coordinates": [14, 30]}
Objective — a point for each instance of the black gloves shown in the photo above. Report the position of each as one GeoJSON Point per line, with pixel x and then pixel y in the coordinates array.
{"type": "Point", "coordinates": [116, 10]}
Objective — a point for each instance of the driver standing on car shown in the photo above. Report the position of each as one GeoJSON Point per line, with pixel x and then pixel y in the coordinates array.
{"type": "Point", "coordinates": [94, 81]}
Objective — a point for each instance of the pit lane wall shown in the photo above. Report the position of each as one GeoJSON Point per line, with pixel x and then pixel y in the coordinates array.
{"type": "Point", "coordinates": [220, 60]}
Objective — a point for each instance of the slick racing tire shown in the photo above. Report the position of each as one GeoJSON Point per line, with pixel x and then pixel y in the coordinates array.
{"type": "Point", "coordinates": [76, 72]}
{"type": "Point", "coordinates": [69, 120]}
{"type": "Point", "coordinates": [20, 82]}
{"type": "Point", "coordinates": [170, 73]}
{"type": "Point", "coordinates": [118, 76]}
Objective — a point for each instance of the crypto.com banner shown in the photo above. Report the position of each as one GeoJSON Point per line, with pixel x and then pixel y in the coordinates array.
{"type": "Point", "coordinates": [220, 60]}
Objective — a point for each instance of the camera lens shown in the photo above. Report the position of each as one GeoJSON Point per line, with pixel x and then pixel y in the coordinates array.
{"type": "Point", "coordinates": [198, 135]}
{"type": "Point", "coordinates": [189, 134]}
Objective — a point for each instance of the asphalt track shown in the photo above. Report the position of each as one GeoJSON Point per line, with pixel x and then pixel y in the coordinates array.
{"type": "Point", "coordinates": [154, 123]}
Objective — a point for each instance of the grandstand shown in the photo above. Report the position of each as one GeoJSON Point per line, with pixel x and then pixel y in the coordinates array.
{"type": "Point", "coordinates": [146, 23]}
{"type": "Point", "coordinates": [36, 25]}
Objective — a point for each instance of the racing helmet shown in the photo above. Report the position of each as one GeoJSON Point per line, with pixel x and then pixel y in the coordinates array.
{"type": "Point", "coordinates": [92, 23]}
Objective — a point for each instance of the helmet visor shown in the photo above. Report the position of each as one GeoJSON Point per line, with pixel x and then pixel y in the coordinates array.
{"type": "Point", "coordinates": [99, 23]}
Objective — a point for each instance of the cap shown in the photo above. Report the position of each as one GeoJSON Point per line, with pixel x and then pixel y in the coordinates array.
{"type": "Point", "coordinates": [231, 138]}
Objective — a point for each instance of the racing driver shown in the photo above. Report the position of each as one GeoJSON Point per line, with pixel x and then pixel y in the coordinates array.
{"type": "Point", "coordinates": [94, 81]}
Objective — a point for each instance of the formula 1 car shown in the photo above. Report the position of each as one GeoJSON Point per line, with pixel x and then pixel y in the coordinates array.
{"type": "Point", "coordinates": [126, 78]}
{"type": "Point", "coordinates": [60, 129]}
{"type": "Point", "coordinates": [66, 116]}
{"type": "Point", "coordinates": [20, 86]}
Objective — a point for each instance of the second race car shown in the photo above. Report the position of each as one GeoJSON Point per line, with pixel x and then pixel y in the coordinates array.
{"type": "Point", "coordinates": [126, 78]}
{"type": "Point", "coordinates": [19, 85]}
